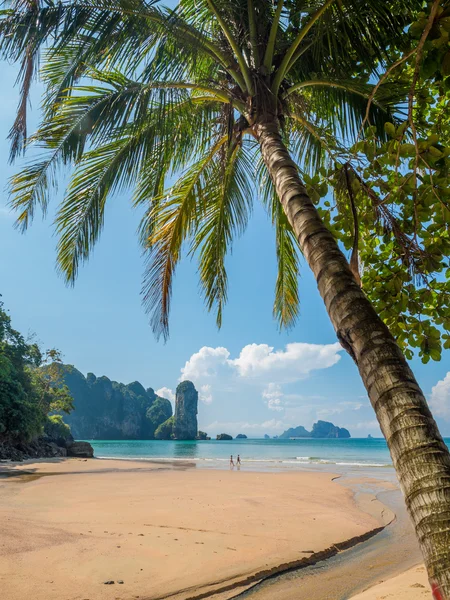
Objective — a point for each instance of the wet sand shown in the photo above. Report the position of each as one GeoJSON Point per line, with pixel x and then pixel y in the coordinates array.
{"type": "Point", "coordinates": [382, 557]}
{"type": "Point", "coordinates": [67, 526]}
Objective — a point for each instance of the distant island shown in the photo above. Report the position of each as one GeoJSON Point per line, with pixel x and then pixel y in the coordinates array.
{"type": "Point", "coordinates": [320, 430]}
{"type": "Point", "coordinates": [224, 436]}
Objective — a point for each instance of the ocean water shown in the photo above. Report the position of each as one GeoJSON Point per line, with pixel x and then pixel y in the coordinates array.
{"type": "Point", "coordinates": [257, 454]}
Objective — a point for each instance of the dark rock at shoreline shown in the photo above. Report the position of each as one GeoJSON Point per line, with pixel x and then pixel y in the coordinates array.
{"type": "Point", "coordinates": [224, 436]}
{"type": "Point", "coordinates": [80, 450]}
{"type": "Point", "coordinates": [241, 436]}
{"type": "Point", "coordinates": [42, 447]}
{"type": "Point", "coordinates": [45, 447]}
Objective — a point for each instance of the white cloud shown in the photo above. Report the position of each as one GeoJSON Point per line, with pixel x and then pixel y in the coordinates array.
{"type": "Point", "coordinates": [167, 393]}
{"type": "Point", "coordinates": [273, 394]}
{"type": "Point", "coordinates": [205, 394]}
{"type": "Point", "coordinates": [440, 397]}
{"type": "Point", "coordinates": [274, 404]}
{"type": "Point", "coordinates": [212, 369]}
{"type": "Point", "coordinates": [205, 363]}
{"type": "Point", "coordinates": [285, 366]}
{"type": "Point", "coordinates": [257, 364]}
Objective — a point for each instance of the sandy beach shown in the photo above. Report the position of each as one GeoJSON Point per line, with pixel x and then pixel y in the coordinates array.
{"type": "Point", "coordinates": [411, 585]}
{"type": "Point", "coordinates": [68, 526]}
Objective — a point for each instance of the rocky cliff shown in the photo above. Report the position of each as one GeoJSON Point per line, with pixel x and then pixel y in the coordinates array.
{"type": "Point", "coordinates": [186, 402]}
{"type": "Point", "coordinates": [320, 430]}
{"type": "Point", "coordinates": [107, 410]}
{"type": "Point", "coordinates": [183, 425]}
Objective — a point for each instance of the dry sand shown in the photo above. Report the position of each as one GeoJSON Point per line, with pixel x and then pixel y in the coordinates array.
{"type": "Point", "coordinates": [412, 585]}
{"type": "Point", "coordinates": [165, 532]}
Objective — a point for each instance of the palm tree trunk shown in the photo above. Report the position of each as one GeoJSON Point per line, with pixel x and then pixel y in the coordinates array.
{"type": "Point", "coordinates": [420, 457]}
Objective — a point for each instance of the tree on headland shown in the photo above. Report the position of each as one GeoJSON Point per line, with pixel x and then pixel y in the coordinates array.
{"type": "Point", "coordinates": [249, 95]}
{"type": "Point", "coordinates": [30, 386]}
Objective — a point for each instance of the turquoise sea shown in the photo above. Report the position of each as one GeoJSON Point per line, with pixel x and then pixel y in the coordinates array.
{"type": "Point", "coordinates": [257, 454]}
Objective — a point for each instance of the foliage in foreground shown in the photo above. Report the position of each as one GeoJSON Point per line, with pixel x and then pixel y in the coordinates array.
{"type": "Point", "coordinates": [30, 387]}
{"type": "Point", "coordinates": [137, 93]}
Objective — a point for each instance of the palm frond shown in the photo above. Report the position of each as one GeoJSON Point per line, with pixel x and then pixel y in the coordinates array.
{"type": "Point", "coordinates": [99, 174]}
{"type": "Point", "coordinates": [168, 222]}
{"type": "Point", "coordinates": [286, 306]}
{"type": "Point", "coordinates": [228, 205]}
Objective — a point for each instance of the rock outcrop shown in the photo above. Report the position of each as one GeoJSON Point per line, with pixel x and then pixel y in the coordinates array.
{"type": "Point", "coordinates": [186, 407]}
{"type": "Point", "coordinates": [241, 436]}
{"type": "Point", "coordinates": [45, 446]}
{"type": "Point", "coordinates": [108, 410]}
{"type": "Point", "coordinates": [224, 436]}
{"type": "Point", "coordinates": [296, 432]}
{"type": "Point", "coordinates": [80, 449]}
{"type": "Point", "coordinates": [320, 430]}
{"type": "Point", "coordinates": [324, 429]}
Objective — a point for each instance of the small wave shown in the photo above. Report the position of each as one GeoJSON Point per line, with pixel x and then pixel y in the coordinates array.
{"type": "Point", "coordinates": [298, 459]}
{"type": "Point", "coordinates": [362, 464]}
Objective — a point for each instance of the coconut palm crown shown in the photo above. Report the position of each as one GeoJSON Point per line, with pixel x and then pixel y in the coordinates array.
{"type": "Point", "coordinates": [137, 94]}
{"type": "Point", "coordinates": [198, 109]}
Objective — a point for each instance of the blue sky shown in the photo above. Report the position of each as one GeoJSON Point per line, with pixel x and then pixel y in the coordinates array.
{"type": "Point", "coordinates": [252, 378]}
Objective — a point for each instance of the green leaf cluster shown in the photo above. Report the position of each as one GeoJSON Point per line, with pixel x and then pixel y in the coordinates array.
{"type": "Point", "coordinates": [160, 105]}
{"type": "Point", "coordinates": [30, 386]}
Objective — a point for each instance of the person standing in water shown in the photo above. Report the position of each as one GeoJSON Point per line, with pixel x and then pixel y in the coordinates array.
{"type": "Point", "coordinates": [231, 462]}
{"type": "Point", "coordinates": [238, 461]}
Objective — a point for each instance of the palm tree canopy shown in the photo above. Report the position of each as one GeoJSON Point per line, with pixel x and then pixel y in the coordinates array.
{"type": "Point", "coordinates": [138, 95]}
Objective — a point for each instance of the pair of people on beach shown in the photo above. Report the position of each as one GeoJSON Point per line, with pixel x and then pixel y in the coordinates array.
{"type": "Point", "coordinates": [238, 461]}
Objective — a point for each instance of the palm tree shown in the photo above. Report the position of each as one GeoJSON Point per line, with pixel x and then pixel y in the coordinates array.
{"type": "Point", "coordinates": [239, 97]}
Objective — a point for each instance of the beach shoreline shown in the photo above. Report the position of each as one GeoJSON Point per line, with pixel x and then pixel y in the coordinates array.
{"type": "Point", "coordinates": [136, 522]}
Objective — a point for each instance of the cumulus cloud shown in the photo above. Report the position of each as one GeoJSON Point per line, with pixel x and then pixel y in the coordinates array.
{"type": "Point", "coordinates": [295, 362]}
{"type": "Point", "coordinates": [167, 393]}
{"type": "Point", "coordinates": [440, 397]}
{"type": "Point", "coordinates": [204, 394]}
{"type": "Point", "coordinates": [205, 363]}
{"type": "Point", "coordinates": [258, 364]}
{"type": "Point", "coordinates": [273, 395]}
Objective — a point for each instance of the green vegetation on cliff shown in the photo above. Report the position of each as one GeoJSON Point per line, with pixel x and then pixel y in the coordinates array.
{"type": "Point", "coordinates": [30, 388]}
{"type": "Point", "coordinates": [108, 410]}
{"type": "Point", "coordinates": [56, 429]}
{"type": "Point", "coordinates": [165, 430]}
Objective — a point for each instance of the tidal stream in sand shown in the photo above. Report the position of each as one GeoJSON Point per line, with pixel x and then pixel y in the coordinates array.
{"type": "Point", "coordinates": [392, 551]}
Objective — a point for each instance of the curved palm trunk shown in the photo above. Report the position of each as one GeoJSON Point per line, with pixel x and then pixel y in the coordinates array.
{"type": "Point", "coordinates": [420, 457]}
